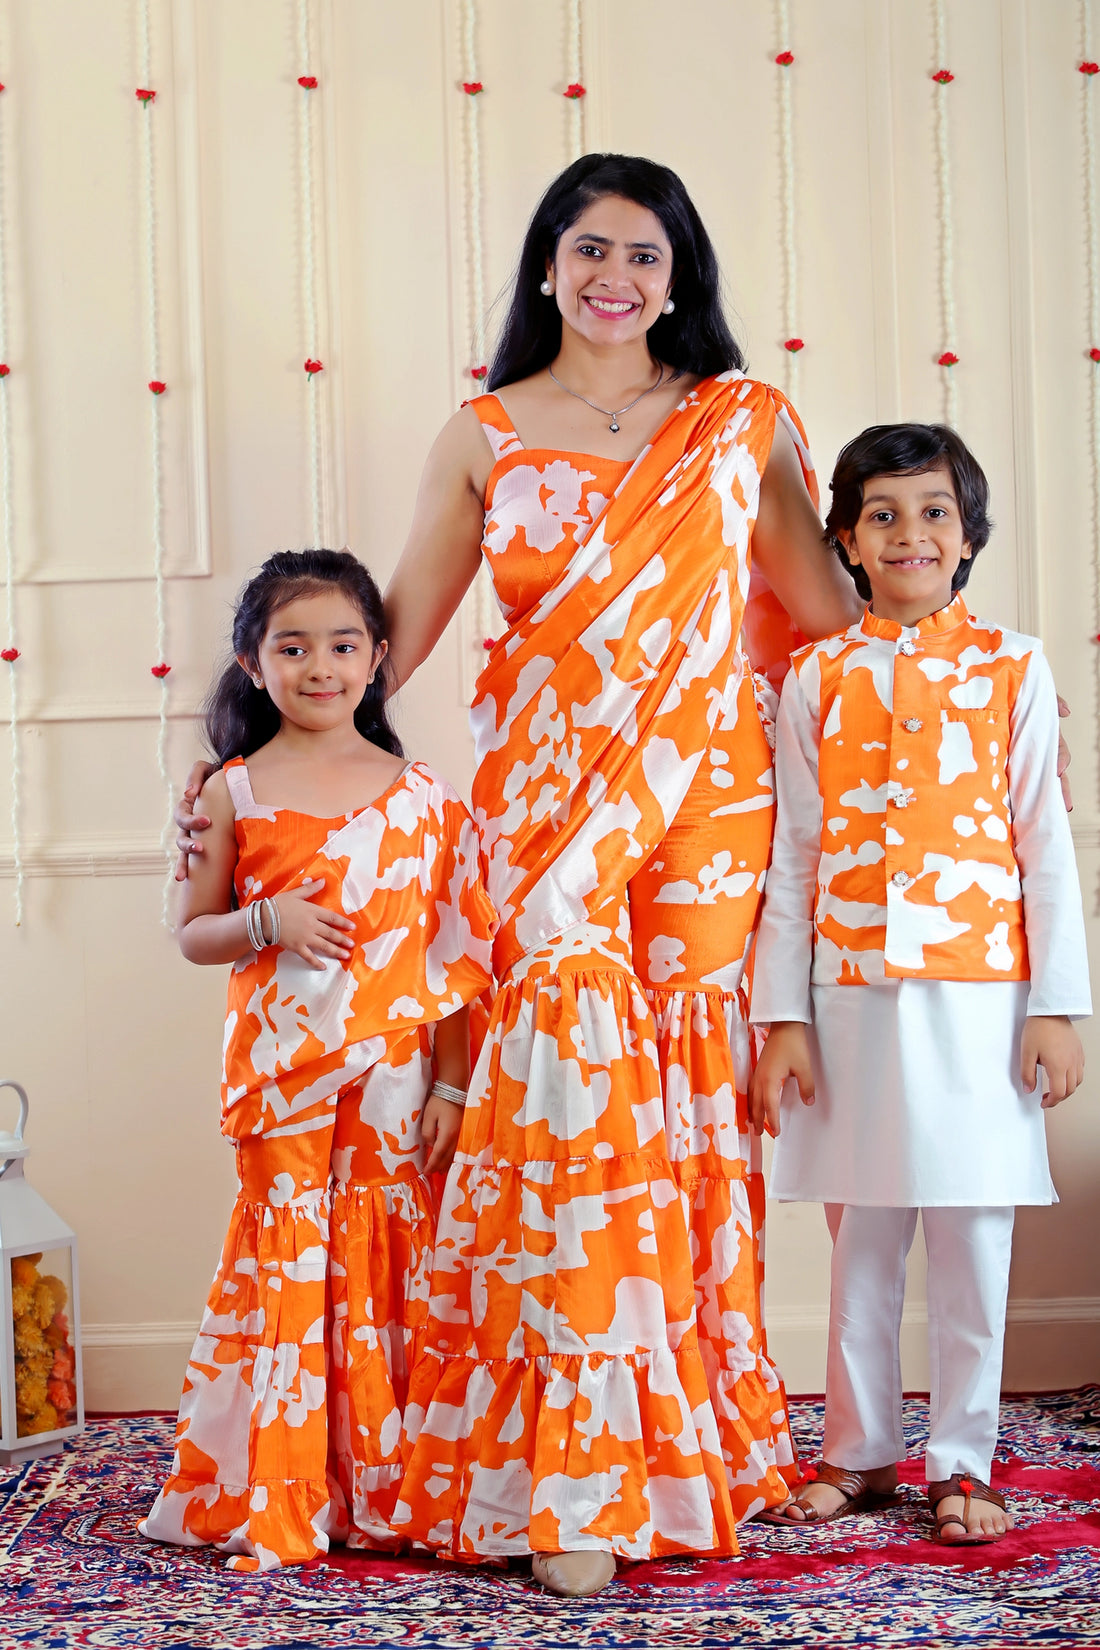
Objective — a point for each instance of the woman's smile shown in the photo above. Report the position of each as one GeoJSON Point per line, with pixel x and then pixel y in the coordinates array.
{"type": "Point", "coordinates": [611, 306]}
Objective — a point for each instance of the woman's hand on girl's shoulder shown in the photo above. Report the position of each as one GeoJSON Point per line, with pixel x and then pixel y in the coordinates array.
{"type": "Point", "coordinates": [188, 819]}
{"type": "Point", "coordinates": [207, 891]}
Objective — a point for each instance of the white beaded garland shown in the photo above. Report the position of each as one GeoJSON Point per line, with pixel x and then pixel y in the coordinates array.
{"type": "Point", "coordinates": [945, 210]}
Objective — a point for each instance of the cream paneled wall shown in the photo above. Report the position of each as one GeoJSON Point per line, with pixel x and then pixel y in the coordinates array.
{"type": "Point", "coordinates": [115, 1036]}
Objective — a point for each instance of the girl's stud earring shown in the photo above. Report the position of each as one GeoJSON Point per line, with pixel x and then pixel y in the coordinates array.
{"type": "Point", "coordinates": [258, 681]}
{"type": "Point", "coordinates": [667, 307]}
{"type": "Point", "coordinates": [547, 289]}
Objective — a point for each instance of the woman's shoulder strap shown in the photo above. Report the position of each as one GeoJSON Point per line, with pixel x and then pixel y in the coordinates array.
{"type": "Point", "coordinates": [498, 427]}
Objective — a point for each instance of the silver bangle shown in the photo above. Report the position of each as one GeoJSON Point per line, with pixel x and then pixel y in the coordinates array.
{"type": "Point", "coordinates": [251, 912]}
{"type": "Point", "coordinates": [255, 914]}
{"type": "Point", "coordinates": [448, 1091]}
{"type": "Point", "coordinates": [270, 910]}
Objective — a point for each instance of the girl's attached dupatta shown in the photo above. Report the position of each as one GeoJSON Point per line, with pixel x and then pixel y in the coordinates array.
{"type": "Point", "coordinates": [596, 707]}
{"type": "Point", "coordinates": [405, 870]}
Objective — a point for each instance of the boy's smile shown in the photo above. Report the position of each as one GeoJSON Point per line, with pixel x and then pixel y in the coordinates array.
{"type": "Point", "coordinates": [909, 541]}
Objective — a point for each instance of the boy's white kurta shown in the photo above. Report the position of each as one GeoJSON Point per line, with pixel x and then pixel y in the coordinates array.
{"type": "Point", "coordinates": [919, 1099]}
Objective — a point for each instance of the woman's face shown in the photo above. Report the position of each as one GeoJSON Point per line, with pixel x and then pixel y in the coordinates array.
{"type": "Point", "coordinates": [612, 271]}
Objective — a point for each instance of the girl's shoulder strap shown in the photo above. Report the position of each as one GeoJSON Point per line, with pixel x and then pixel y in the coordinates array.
{"type": "Point", "coordinates": [240, 786]}
{"type": "Point", "coordinates": [498, 427]}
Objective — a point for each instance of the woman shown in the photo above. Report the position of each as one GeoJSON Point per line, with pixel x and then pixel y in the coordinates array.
{"type": "Point", "coordinates": [596, 1380]}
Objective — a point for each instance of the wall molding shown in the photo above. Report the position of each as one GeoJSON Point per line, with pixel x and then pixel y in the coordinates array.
{"type": "Point", "coordinates": [1057, 1309]}
{"type": "Point", "coordinates": [143, 856]}
{"type": "Point", "coordinates": [133, 857]}
{"type": "Point", "coordinates": [1066, 1309]}
{"type": "Point", "coordinates": [98, 1335]}
{"type": "Point", "coordinates": [188, 552]}
{"type": "Point", "coordinates": [99, 710]}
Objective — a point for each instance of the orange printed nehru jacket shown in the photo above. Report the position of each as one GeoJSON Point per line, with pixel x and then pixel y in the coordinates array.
{"type": "Point", "coordinates": [916, 876]}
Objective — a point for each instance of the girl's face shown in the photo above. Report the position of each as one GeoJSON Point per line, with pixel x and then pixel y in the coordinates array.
{"type": "Point", "coordinates": [316, 660]}
{"type": "Point", "coordinates": [612, 271]}
{"type": "Point", "coordinates": [909, 541]}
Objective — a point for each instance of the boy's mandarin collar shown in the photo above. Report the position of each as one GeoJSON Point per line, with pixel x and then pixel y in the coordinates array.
{"type": "Point", "coordinates": [936, 624]}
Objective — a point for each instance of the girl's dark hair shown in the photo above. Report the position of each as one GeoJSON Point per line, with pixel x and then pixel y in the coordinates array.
{"type": "Point", "coordinates": [694, 338]}
{"type": "Point", "coordinates": [901, 449]}
{"type": "Point", "coordinates": [238, 717]}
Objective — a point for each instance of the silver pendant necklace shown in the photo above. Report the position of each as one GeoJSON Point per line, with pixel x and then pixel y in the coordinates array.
{"type": "Point", "coordinates": [606, 411]}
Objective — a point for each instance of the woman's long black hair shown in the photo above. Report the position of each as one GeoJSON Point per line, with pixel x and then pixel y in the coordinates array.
{"type": "Point", "coordinates": [238, 717]}
{"type": "Point", "coordinates": [694, 338]}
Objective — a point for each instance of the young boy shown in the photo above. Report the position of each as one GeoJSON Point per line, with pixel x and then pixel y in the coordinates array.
{"type": "Point", "coordinates": [921, 953]}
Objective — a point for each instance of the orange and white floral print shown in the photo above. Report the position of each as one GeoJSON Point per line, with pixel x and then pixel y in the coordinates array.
{"type": "Point", "coordinates": [595, 1373]}
{"type": "Point", "coordinates": [917, 875]}
{"type": "Point", "coordinates": [290, 1425]}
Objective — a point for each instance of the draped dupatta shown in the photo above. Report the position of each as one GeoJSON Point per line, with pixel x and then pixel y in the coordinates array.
{"type": "Point", "coordinates": [594, 709]}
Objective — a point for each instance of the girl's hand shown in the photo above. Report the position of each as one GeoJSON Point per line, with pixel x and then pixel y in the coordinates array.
{"type": "Point", "coordinates": [188, 821]}
{"type": "Point", "coordinates": [1050, 1041]}
{"type": "Point", "coordinates": [786, 1054]}
{"type": "Point", "coordinates": [439, 1131]}
{"type": "Point", "coordinates": [309, 930]}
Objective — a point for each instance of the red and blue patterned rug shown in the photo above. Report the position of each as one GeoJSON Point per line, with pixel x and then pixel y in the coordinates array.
{"type": "Point", "coordinates": [74, 1572]}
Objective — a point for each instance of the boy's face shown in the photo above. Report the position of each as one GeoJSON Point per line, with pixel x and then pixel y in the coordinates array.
{"type": "Point", "coordinates": [909, 541]}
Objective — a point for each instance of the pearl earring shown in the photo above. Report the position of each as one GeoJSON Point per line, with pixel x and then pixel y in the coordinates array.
{"type": "Point", "coordinates": [667, 307]}
{"type": "Point", "coordinates": [547, 289]}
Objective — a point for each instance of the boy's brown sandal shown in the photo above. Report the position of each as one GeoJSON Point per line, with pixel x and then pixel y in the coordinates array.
{"type": "Point", "coordinates": [971, 1489]}
{"type": "Point", "coordinates": [859, 1497]}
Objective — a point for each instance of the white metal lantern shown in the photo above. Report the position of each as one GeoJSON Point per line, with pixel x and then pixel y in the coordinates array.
{"type": "Point", "coordinates": [41, 1384]}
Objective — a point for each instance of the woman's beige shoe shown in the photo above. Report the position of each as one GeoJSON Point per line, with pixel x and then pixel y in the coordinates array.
{"type": "Point", "coordinates": [573, 1575]}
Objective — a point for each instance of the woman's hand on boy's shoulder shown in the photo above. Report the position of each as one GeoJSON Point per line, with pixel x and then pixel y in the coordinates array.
{"type": "Point", "coordinates": [1064, 759]}
{"type": "Point", "coordinates": [786, 1054]}
{"type": "Point", "coordinates": [1050, 1041]}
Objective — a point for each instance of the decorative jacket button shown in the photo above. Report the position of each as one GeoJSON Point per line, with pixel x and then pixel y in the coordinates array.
{"type": "Point", "coordinates": [902, 799]}
{"type": "Point", "coordinates": [908, 648]}
{"type": "Point", "coordinates": [912, 724]}
{"type": "Point", "coordinates": [901, 879]}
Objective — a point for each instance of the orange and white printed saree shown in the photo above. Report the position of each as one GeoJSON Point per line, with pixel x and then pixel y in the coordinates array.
{"type": "Point", "coordinates": [290, 1425]}
{"type": "Point", "coordinates": [594, 1372]}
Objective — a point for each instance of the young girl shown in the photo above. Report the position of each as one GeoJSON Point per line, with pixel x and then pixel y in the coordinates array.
{"type": "Point", "coordinates": [921, 954]}
{"type": "Point", "coordinates": [342, 883]}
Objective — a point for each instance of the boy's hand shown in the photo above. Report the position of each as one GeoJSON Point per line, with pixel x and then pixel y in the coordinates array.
{"type": "Point", "coordinates": [1050, 1041]}
{"type": "Point", "coordinates": [439, 1131]}
{"type": "Point", "coordinates": [786, 1054]}
{"type": "Point", "coordinates": [311, 931]}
